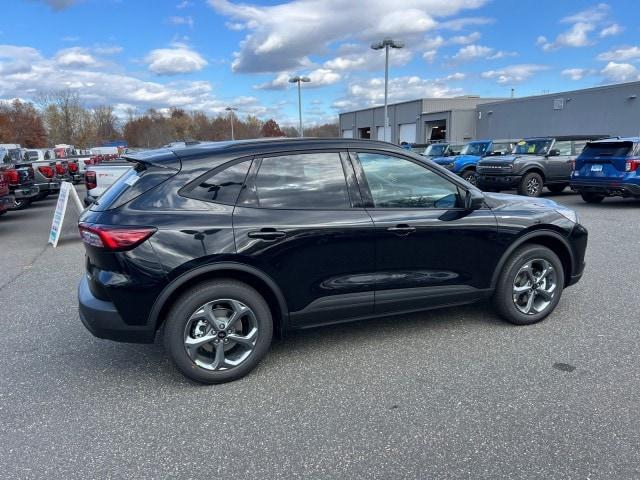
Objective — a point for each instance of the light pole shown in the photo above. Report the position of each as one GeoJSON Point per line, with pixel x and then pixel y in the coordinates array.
{"type": "Point", "coordinates": [386, 43]}
{"type": "Point", "coordinates": [297, 79]}
{"type": "Point", "coordinates": [231, 110]}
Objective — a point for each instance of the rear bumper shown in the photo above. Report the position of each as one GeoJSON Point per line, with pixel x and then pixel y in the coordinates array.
{"type": "Point", "coordinates": [616, 188]}
{"type": "Point", "coordinates": [49, 186]}
{"type": "Point", "coordinates": [25, 192]}
{"type": "Point", "coordinates": [498, 181]}
{"type": "Point", "coordinates": [103, 320]}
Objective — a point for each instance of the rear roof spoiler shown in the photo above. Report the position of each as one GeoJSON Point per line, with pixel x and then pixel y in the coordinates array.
{"type": "Point", "coordinates": [161, 157]}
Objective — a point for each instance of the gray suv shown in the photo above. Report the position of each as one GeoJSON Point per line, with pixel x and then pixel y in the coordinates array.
{"type": "Point", "coordinates": [534, 163]}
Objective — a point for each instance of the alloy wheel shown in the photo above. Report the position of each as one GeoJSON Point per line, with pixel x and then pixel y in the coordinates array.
{"type": "Point", "coordinates": [533, 187]}
{"type": "Point", "coordinates": [221, 334]}
{"type": "Point", "coordinates": [534, 286]}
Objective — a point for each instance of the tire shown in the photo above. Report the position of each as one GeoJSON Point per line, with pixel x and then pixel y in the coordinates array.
{"type": "Point", "coordinates": [470, 176]}
{"type": "Point", "coordinates": [591, 197]}
{"type": "Point", "coordinates": [557, 188]}
{"type": "Point", "coordinates": [41, 196]}
{"type": "Point", "coordinates": [512, 306]}
{"type": "Point", "coordinates": [201, 363]}
{"type": "Point", "coordinates": [21, 204]}
{"type": "Point", "coordinates": [531, 185]}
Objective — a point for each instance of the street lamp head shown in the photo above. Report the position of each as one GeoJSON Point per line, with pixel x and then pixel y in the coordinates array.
{"type": "Point", "coordinates": [305, 79]}
{"type": "Point", "coordinates": [377, 45]}
{"type": "Point", "coordinates": [231, 109]}
{"type": "Point", "coordinates": [398, 44]}
{"type": "Point", "coordinates": [295, 79]}
{"type": "Point", "coordinates": [387, 42]}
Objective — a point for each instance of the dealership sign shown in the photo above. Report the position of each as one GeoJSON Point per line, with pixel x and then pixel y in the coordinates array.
{"type": "Point", "coordinates": [66, 189]}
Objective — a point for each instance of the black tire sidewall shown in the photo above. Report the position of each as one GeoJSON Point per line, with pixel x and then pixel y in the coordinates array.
{"type": "Point", "coordinates": [503, 297]}
{"type": "Point", "coordinates": [522, 188]}
{"type": "Point", "coordinates": [184, 307]}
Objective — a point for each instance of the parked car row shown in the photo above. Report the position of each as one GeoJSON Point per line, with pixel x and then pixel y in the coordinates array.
{"type": "Point", "coordinates": [594, 166]}
{"type": "Point", "coordinates": [28, 175]}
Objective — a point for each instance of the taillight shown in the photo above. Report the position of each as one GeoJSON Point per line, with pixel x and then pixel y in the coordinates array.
{"type": "Point", "coordinates": [90, 179]}
{"type": "Point", "coordinates": [12, 176]}
{"type": "Point", "coordinates": [89, 161]}
{"type": "Point", "coordinates": [46, 171]}
{"type": "Point", "coordinates": [59, 169]}
{"type": "Point", "coordinates": [115, 239]}
{"type": "Point", "coordinates": [73, 167]}
{"type": "Point", "coordinates": [632, 165]}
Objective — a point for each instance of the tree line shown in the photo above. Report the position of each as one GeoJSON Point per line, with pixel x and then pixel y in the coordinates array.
{"type": "Point", "coordinates": [62, 118]}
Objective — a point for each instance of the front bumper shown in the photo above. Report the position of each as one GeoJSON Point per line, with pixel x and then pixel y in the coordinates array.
{"type": "Point", "coordinates": [102, 319]}
{"type": "Point", "coordinates": [25, 192]}
{"type": "Point", "coordinates": [610, 189]}
{"type": "Point", "coordinates": [6, 202]}
{"type": "Point", "coordinates": [498, 181]}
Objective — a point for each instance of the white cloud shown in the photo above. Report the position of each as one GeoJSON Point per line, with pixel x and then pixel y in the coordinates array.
{"type": "Point", "coordinates": [178, 20]}
{"type": "Point", "coordinates": [107, 49]}
{"type": "Point", "coordinates": [576, 36]}
{"type": "Point", "coordinates": [514, 73]}
{"type": "Point", "coordinates": [597, 13]}
{"type": "Point", "coordinates": [620, 54]}
{"type": "Point", "coordinates": [282, 37]}
{"type": "Point", "coordinates": [575, 73]}
{"type": "Point", "coordinates": [465, 39]}
{"type": "Point", "coordinates": [370, 92]}
{"type": "Point", "coordinates": [184, 4]}
{"type": "Point", "coordinates": [472, 52]}
{"type": "Point", "coordinates": [611, 30]}
{"type": "Point", "coordinates": [172, 61]}
{"type": "Point", "coordinates": [319, 78]}
{"type": "Point", "coordinates": [620, 72]}
{"type": "Point", "coordinates": [75, 57]}
{"type": "Point", "coordinates": [462, 23]}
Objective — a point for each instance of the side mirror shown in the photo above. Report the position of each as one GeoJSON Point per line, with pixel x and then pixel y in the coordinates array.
{"type": "Point", "coordinates": [473, 200]}
{"type": "Point", "coordinates": [554, 153]}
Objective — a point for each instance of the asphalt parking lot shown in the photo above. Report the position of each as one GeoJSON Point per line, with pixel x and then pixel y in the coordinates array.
{"type": "Point", "coordinates": [446, 394]}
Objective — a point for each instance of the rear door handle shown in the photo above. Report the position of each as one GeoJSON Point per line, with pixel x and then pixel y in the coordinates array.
{"type": "Point", "coordinates": [402, 229]}
{"type": "Point", "coordinates": [267, 234]}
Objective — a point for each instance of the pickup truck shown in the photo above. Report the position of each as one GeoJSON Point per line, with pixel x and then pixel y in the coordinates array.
{"type": "Point", "coordinates": [535, 163]}
{"type": "Point", "coordinates": [44, 171]}
{"type": "Point", "coordinates": [20, 176]}
{"type": "Point", "coordinates": [98, 178]}
{"type": "Point", "coordinates": [6, 199]}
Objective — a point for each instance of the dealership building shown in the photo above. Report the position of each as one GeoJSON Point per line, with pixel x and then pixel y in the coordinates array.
{"type": "Point", "coordinates": [607, 110]}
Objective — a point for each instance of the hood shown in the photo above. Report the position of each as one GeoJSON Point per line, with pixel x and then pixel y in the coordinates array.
{"type": "Point", "coordinates": [443, 160]}
{"type": "Point", "coordinates": [508, 201]}
{"type": "Point", "coordinates": [467, 158]}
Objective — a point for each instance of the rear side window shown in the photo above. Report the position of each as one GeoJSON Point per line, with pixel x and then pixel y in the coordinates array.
{"type": "Point", "coordinates": [133, 183]}
{"type": "Point", "coordinates": [607, 149]}
{"type": "Point", "coordinates": [563, 147]}
{"type": "Point", "coordinates": [220, 186]}
{"type": "Point", "coordinates": [299, 181]}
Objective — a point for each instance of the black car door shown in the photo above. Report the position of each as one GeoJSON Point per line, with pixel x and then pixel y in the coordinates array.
{"type": "Point", "coordinates": [300, 220]}
{"type": "Point", "coordinates": [430, 251]}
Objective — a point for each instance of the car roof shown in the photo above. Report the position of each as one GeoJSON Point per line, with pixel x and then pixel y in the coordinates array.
{"type": "Point", "coordinates": [617, 139]}
{"type": "Point", "coordinates": [567, 137]}
{"type": "Point", "coordinates": [202, 149]}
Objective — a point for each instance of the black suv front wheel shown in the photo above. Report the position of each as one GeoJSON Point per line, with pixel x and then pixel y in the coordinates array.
{"type": "Point", "coordinates": [218, 331]}
{"type": "Point", "coordinates": [530, 285]}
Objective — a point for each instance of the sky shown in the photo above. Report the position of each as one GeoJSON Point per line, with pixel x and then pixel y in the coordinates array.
{"type": "Point", "coordinates": [209, 54]}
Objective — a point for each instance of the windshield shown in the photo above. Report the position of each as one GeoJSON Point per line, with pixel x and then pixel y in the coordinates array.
{"type": "Point", "coordinates": [502, 148]}
{"type": "Point", "coordinates": [533, 147]}
{"type": "Point", "coordinates": [475, 148]}
{"type": "Point", "coordinates": [436, 150]}
{"type": "Point", "coordinates": [33, 155]}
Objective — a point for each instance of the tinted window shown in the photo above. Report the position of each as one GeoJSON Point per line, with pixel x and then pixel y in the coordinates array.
{"type": "Point", "coordinates": [222, 186]}
{"type": "Point", "coordinates": [563, 147]}
{"type": "Point", "coordinates": [475, 148]}
{"type": "Point", "coordinates": [398, 183]}
{"type": "Point", "coordinates": [309, 180]}
{"type": "Point", "coordinates": [436, 150]}
{"type": "Point", "coordinates": [502, 148]}
{"type": "Point", "coordinates": [532, 147]}
{"type": "Point", "coordinates": [607, 149]}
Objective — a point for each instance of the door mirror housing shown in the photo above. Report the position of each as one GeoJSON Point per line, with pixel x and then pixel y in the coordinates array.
{"type": "Point", "coordinates": [554, 153]}
{"type": "Point", "coordinates": [473, 200]}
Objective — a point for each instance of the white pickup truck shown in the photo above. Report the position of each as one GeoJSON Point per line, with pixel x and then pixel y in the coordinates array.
{"type": "Point", "coordinates": [100, 177]}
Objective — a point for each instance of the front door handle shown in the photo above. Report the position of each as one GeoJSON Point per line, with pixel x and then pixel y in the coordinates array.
{"type": "Point", "coordinates": [402, 229]}
{"type": "Point", "coordinates": [267, 234]}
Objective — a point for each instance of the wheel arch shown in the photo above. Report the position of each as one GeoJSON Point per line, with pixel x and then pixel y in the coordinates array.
{"type": "Point", "coordinates": [547, 238]}
{"type": "Point", "coordinates": [536, 169]}
{"type": "Point", "coordinates": [252, 276]}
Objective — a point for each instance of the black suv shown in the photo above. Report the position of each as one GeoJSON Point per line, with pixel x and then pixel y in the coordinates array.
{"type": "Point", "coordinates": [535, 163]}
{"type": "Point", "coordinates": [221, 245]}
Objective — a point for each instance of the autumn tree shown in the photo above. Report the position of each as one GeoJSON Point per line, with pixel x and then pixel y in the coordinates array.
{"type": "Point", "coordinates": [271, 129]}
{"type": "Point", "coordinates": [21, 123]}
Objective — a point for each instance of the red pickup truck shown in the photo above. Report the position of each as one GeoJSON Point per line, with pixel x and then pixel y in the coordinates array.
{"type": "Point", "coordinates": [6, 199]}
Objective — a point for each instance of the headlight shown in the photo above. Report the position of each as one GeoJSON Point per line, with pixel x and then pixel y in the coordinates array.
{"type": "Point", "coordinates": [567, 213]}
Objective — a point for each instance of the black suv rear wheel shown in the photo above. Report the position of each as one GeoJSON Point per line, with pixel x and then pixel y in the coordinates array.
{"type": "Point", "coordinates": [218, 331]}
{"type": "Point", "coordinates": [530, 285]}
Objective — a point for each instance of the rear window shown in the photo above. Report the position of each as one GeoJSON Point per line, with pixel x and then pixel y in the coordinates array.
{"type": "Point", "coordinates": [139, 179]}
{"type": "Point", "coordinates": [607, 149]}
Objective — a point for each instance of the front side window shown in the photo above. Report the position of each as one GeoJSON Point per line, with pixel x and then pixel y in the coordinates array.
{"type": "Point", "coordinates": [299, 181]}
{"type": "Point", "coordinates": [502, 148]}
{"type": "Point", "coordinates": [436, 150]}
{"type": "Point", "coordinates": [476, 149]}
{"type": "Point", "coordinates": [398, 183]}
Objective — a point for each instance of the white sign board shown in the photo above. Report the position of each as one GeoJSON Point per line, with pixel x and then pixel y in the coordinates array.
{"type": "Point", "coordinates": [66, 189]}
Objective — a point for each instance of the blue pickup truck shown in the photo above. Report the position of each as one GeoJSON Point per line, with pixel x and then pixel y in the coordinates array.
{"type": "Point", "coordinates": [465, 163]}
{"type": "Point", "coordinates": [608, 168]}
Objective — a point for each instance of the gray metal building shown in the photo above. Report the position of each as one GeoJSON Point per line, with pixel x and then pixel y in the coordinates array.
{"type": "Point", "coordinates": [606, 110]}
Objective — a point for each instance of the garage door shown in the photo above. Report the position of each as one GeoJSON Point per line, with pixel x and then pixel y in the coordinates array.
{"type": "Point", "coordinates": [347, 133]}
{"type": "Point", "coordinates": [407, 133]}
{"type": "Point", "coordinates": [380, 133]}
